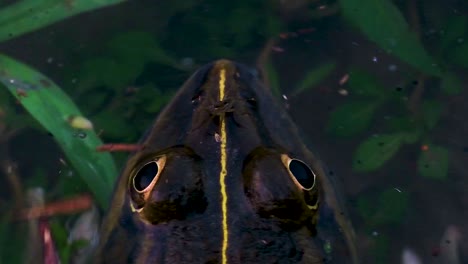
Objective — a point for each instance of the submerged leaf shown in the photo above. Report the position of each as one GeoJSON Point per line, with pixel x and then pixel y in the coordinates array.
{"type": "Point", "coordinates": [410, 129]}
{"type": "Point", "coordinates": [113, 128]}
{"type": "Point", "coordinates": [314, 76]}
{"type": "Point", "coordinates": [451, 84]}
{"type": "Point", "coordinates": [273, 79]}
{"type": "Point", "coordinates": [434, 162]}
{"type": "Point", "coordinates": [138, 47]}
{"type": "Point", "coordinates": [383, 207]}
{"type": "Point", "coordinates": [375, 151]}
{"type": "Point", "coordinates": [454, 31]}
{"type": "Point", "coordinates": [364, 84]}
{"type": "Point", "coordinates": [392, 207]}
{"type": "Point", "coordinates": [459, 55]}
{"type": "Point", "coordinates": [107, 71]}
{"type": "Point", "coordinates": [383, 23]}
{"type": "Point", "coordinates": [52, 108]}
{"type": "Point", "coordinates": [432, 110]}
{"type": "Point", "coordinates": [352, 118]}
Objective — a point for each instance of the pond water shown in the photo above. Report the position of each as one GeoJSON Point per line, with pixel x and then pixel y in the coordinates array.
{"type": "Point", "coordinates": [377, 88]}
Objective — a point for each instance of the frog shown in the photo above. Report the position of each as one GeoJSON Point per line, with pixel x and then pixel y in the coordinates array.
{"type": "Point", "coordinates": [224, 176]}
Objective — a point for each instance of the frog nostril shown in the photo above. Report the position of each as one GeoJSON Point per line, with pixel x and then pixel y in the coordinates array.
{"type": "Point", "coordinates": [145, 176]}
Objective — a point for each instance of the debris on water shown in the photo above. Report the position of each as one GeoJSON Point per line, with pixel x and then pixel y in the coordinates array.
{"type": "Point", "coordinates": [449, 249]}
{"type": "Point", "coordinates": [45, 83]}
{"type": "Point", "coordinates": [344, 79]}
{"type": "Point", "coordinates": [64, 163]}
{"type": "Point", "coordinates": [392, 67]}
{"type": "Point", "coordinates": [119, 147]}
{"type": "Point", "coordinates": [80, 122]}
{"type": "Point", "coordinates": [217, 137]}
{"type": "Point", "coordinates": [21, 93]}
{"type": "Point", "coordinates": [187, 62]}
{"type": "Point", "coordinates": [343, 92]}
{"type": "Point", "coordinates": [408, 256]}
{"type": "Point", "coordinates": [80, 134]}
{"type": "Point", "coordinates": [375, 233]}
{"type": "Point", "coordinates": [277, 49]}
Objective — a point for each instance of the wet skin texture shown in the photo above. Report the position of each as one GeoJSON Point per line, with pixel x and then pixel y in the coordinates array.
{"type": "Point", "coordinates": [223, 177]}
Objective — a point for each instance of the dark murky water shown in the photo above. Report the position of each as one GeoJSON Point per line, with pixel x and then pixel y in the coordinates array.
{"type": "Point", "coordinates": [409, 197]}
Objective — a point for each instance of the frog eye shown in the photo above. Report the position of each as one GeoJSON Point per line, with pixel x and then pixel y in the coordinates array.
{"type": "Point", "coordinates": [143, 181]}
{"type": "Point", "coordinates": [145, 176]}
{"type": "Point", "coordinates": [301, 174]}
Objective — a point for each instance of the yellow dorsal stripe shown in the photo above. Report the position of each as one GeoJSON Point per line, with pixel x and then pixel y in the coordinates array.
{"type": "Point", "coordinates": [223, 172]}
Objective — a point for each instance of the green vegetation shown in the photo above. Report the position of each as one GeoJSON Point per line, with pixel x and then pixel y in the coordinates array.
{"type": "Point", "coordinates": [127, 76]}
{"type": "Point", "coordinates": [28, 15]}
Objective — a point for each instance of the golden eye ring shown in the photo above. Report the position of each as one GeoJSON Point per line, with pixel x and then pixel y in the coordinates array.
{"type": "Point", "coordinates": [301, 174]}
{"type": "Point", "coordinates": [144, 179]}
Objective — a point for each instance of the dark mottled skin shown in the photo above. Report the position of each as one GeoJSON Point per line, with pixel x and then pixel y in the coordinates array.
{"type": "Point", "coordinates": [268, 217]}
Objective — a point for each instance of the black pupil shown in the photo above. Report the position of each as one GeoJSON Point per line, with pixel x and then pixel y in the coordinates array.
{"type": "Point", "coordinates": [302, 173]}
{"type": "Point", "coordinates": [145, 175]}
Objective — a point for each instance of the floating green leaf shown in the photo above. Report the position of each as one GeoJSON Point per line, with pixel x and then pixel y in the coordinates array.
{"type": "Point", "coordinates": [383, 23]}
{"type": "Point", "coordinates": [28, 15]}
{"type": "Point", "coordinates": [389, 208]}
{"type": "Point", "coordinates": [434, 162]}
{"type": "Point", "coordinates": [375, 151]}
{"type": "Point", "coordinates": [351, 118]}
{"type": "Point", "coordinates": [364, 84]}
{"type": "Point", "coordinates": [411, 136]}
{"type": "Point", "coordinates": [313, 77]}
{"type": "Point", "coordinates": [432, 110]}
{"type": "Point", "coordinates": [451, 84]}
{"type": "Point", "coordinates": [51, 107]}
{"type": "Point", "coordinates": [392, 207]}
